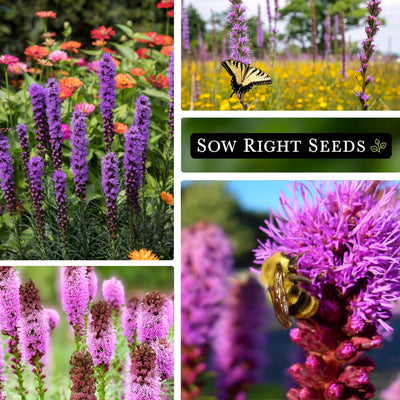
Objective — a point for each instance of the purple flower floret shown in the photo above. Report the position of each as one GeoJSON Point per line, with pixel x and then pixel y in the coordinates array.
{"type": "Point", "coordinates": [75, 296]}
{"type": "Point", "coordinates": [164, 350]}
{"type": "Point", "coordinates": [347, 236]}
{"type": "Point", "coordinates": [114, 293]}
{"type": "Point", "coordinates": [60, 189]}
{"type": "Point", "coordinates": [143, 381]}
{"type": "Point", "coordinates": [239, 42]}
{"type": "Point", "coordinates": [240, 348]}
{"type": "Point", "coordinates": [109, 180]}
{"type": "Point", "coordinates": [171, 95]}
{"type": "Point", "coordinates": [129, 319]}
{"type": "Point", "coordinates": [79, 153]}
{"type": "Point", "coordinates": [7, 174]}
{"type": "Point", "coordinates": [152, 322]}
{"type": "Point", "coordinates": [38, 96]}
{"type": "Point", "coordinates": [106, 74]}
{"type": "Point", "coordinates": [9, 301]}
{"type": "Point", "coordinates": [53, 110]}
{"type": "Point", "coordinates": [101, 338]}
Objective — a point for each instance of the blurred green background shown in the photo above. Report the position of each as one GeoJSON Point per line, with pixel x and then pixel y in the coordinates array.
{"type": "Point", "coordinates": [18, 20]}
{"type": "Point", "coordinates": [290, 125]}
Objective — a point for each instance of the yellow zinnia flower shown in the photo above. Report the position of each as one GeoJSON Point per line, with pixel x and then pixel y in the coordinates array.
{"type": "Point", "coordinates": [142, 255]}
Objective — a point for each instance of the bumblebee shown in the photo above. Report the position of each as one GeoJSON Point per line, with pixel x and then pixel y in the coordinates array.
{"type": "Point", "coordinates": [279, 275]}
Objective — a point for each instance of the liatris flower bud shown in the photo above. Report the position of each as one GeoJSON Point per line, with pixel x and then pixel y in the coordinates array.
{"type": "Point", "coordinates": [354, 264]}
{"type": "Point", "coordinates": [185, 31]}
{"type": "Point", "coordinates": [60, 189]}
{"type": "Point", "coordinates": [38, 96]}
{"type": "Point", "coordinates": [240, 348]}
{"type": "Point", "coordinates": [101, 337]}
{"type": "Point", "coordinates": [33, 330]}
{"type": "Point", "coordinates": [9, 301]}
{"type": "Point", "coordinates": [74, 289]}
{"type": "Point", "coordinates": [129, 319]}
{"type": "Point", "coordinates": [35, 173]}
{"type": "Point", "coordinates": [239, 42]}
{"type": "Point", "coordinates": [206, 265]}
{"type": "Point", "coordinates": [152, 321]}
{"type": "Point", "coordinates": [53, 318]}
{"type": "Point", "coordinates": [25, 155]}
{"type": "Point", "coordinates": [7, 174]}
{"type": "Point", "coordinates": [114, 293]}
{"type": "Point", "coordinates": [110, 175]}
{"type": "Point", "coordinates": [164, 350]}
{"type": "Point", "coordinates": [143, 381]}
{"type": "Point", "coordinates": [79, 153]}
{"type": "Point", "coordinates": [106, 74]}
{"type": "Point", "coordinates": [53, 110]}
{"type": "Point", "coordinates": [82, 376]}
{"type": "Point", "coordinates": [92, 282]}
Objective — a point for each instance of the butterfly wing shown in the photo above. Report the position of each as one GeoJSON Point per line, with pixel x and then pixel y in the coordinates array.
{"type": "Point", "coordinates": [279, 300]}
{"type": "Point", "coordinates": [245, 77]}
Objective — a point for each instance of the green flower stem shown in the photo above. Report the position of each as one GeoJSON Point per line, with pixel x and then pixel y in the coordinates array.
{"type": "Point", "coordinates": [39, 376]}
{"type": "Point", "coordinates": [16, 366]}
{"type": "Point", "coordinates": [17, 235]}
{"type": "Point", "coordinates": [101, 382]}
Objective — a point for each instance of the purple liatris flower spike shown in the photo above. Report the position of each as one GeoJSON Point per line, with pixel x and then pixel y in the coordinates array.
{"type": "Point", "coordinates": [53, 318]}
{"type": "Point", "coordinates": [53, 110]}
{"type": "Point", "coordinates": [109, 180]}
{"type": "Point", "coordinates": [207, 261]}
{"type": "Point", "coordinates": [92, 282]}
{"type": "Point", "coordinates": [7, 174]}
{"type": "Point", "coordinates": [143, 381]}
{"type": "Point", "coordinates": [185, 31]}
{"type": "Point", "coordinates": [152, 321]}
{"type": "Point", "coordinates": [82, 376]}
{"type": "Point", "coordinates": [114, 293]}
{"type": "Point", "coordinates": [171, 95]}
{"type": "Point", "coordinates": [129, 319]}
{"type": "Point", "coordinates": [74, 289]}
{"type": "Point", "coordinates": [9, 301]}
{"type": "Point", "coordinates": [106, 74]}
{"type": "Point", "coordinates": [164, 350]}
{"type": "Point", "coordinates": [347, 237]}
{"type": "Point", "coordinates": [327, 36]}
{"type": "Point", "coordinates": [35, 174]}
{"type": "Point", "coordinates": [60, 189]}
{"type": "Point", "coordinates": [101, 338]}
{"type": "Point", "coordinates": [240, 348]}
{"type": "Point", "coordinates": [260, 33]}
{"type": "Point", "coordinates": [25, 154]}
{"type": "Point", "coordinates": [38, 96]}
{"type": "Point", "coordinates": [79, 153]}
{"type": "Point", "coordinates": [33, 328]}
{"type": "Point", "coordinates": [239, 42]}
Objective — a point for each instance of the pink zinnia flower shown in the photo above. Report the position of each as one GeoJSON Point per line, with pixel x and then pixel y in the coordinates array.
{"type": "Point", "coordinates": [17, 68]}
{"type": "Point", "coordinates": [7, 59]}
{"type": "Point", "coordinates": [58, 55]}
{"type": "Point", "coordinates": [85, 108]}
{"type": "Point", "coordinates": [66, 132]}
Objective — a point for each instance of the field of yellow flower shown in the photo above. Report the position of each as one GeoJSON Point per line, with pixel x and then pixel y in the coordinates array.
{"type": "Point", "coordinates": [297, 85]}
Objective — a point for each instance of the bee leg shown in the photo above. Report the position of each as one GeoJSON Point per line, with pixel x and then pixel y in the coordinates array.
{"type": "Point", "coordinates": [299, 278]}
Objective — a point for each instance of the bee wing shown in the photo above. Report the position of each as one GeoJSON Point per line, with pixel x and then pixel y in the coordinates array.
{"type": "Point", "coordinates": [279, 300]}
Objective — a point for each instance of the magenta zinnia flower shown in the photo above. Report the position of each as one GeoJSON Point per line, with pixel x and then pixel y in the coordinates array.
{"type": "Point", "coordinates": [348, 237]}
{"type": "Point", "coordinates": [114, 293]}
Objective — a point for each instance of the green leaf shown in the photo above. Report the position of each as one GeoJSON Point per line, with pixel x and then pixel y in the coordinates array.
{"type": "Point", "coordinates": [126, 51]}
{"type": "Point", "coordinates": [153, 92]}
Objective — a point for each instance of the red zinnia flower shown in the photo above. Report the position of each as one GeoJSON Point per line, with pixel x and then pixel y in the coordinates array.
{"type": "Point", "coordinates": [137, 71]}
{"type": "Point", "coordinates": [143, 52]}
{"type": "Point", "coordinates": [35, 52]}
{"type": "Point", "coordinates": [161, 82]}
{"type": "Point", "coordinates": [46, 14]}
{"type": "Point", "coordinates": [170, 13]}
{"type": "Point", "coordinates": [120, 128]}
{"type": "Point", "coordinates": [102, 33]}
{"type": "Point", "coordinates": [165, 4]}
{"type": "Point", "coordinates": [152, 37]}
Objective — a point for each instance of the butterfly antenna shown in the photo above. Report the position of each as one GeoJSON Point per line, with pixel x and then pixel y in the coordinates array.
{"type": "Point", "coordinates": [231, 94]}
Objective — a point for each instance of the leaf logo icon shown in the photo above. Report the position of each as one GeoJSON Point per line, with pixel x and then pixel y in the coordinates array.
{"type": "Point", "coordinates": [378, 146]}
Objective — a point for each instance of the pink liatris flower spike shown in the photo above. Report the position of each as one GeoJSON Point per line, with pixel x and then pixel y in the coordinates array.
{"type": "Point", "coordinates": [114, 293]}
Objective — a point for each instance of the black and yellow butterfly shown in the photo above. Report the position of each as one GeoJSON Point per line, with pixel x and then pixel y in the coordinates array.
{"type": "Point", "coordinates": [245, 77]}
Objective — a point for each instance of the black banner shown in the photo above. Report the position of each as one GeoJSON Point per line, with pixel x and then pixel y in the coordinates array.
{"type": "Point", "coordinates": [290, 145]}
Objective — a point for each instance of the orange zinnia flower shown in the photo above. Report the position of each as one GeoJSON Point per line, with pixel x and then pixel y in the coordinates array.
{"type": "Point", "coordinates": [35, 52]}
{"type": "Point", "coordinates": [120, 128]}
{"type": "Point", "coordinates": [124, 81]}
{"type": "Point", "coordinates": [65, 92]}
{"type": "Point", "coordinates": [163, 40]}
{"type": "Point", "coordinates": [161, 82]}
{"type": "Point", "coordinates": [142, 254]}
{"type": "Point", "coordinates": [166, 50]}
{"type": "Point", "coordinates": [46, 14]}
{"type": "Point", "coordinates": [137, 71]}
{"type": "Point", "coordinates": [102, 33]}
{"type": "Point", "coordinates": [71, 45]}
{"type": "Point", "coordinates": [71, 82]}
{"type": "Point", "coordinates": [99, 43]}
{"type": "Point", "coordinates": [167, 198]}
{"type": "Point", "coordinates": [116, 62]}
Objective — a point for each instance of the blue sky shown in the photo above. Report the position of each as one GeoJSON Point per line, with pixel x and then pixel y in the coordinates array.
{"type": "Point", "coordinates": [386, 39]}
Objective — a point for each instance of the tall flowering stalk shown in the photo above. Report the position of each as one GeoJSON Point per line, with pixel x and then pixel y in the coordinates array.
{"type": "Point", "coordinates": [129, 321]}
{"type": "Point", "coordinates": [25, 154]}
{"type": "Point", "coordinates": [53, 110]}
{"type": "Point", "coordinates": [260, 33]}
{"type": "Point", "coordinates": [327, 36]}
{"type": "Point", "coordinates": [33, 332]}
{"type": "Point", "coordinates": [60, 189]}
{"type": "Point", "coordinates": [36, 167]}
{"type": "Point", "coordinates": [367, 49]}
{"type": "Point", "coordinates": [143, 381]}
{"type": "Point", "coordinates": [101, 341]}
{"type": "Point", "coordinates": [313, 31]}
{"type": "Point", "coordinates": [10, 314]}
{"type": "Point", "coordinates": [74, 288]}
{"type": "Point", "coordinates": [114, 294]}
{"type": "Point", "coordinates": [171, 107]}
{"type": "Point", "coordinates": [347, 236]}
{"type": "Point", "coordinates": [206, 265]}
{"type": "Point", "coordinates": [185, 32]}
{"type": "Point", "coordinates": [107, 73]}
{"type": "Point", "coordinates": [109, 180]}
{"type": "Point", "coordinates": [152, 320]}
{"type": "Point", "coordinates": [38, 100]}
{"type": "Point", "coordinates": [7, 174]}
{"type": "Point", "coordinates": [239, 42]}
{"type": "Point", "coordinates": [240, 348]}
{"type": "Point", "coordinates": [82, 376]}
{"type": "Point", "coordinates": [343, 43]}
